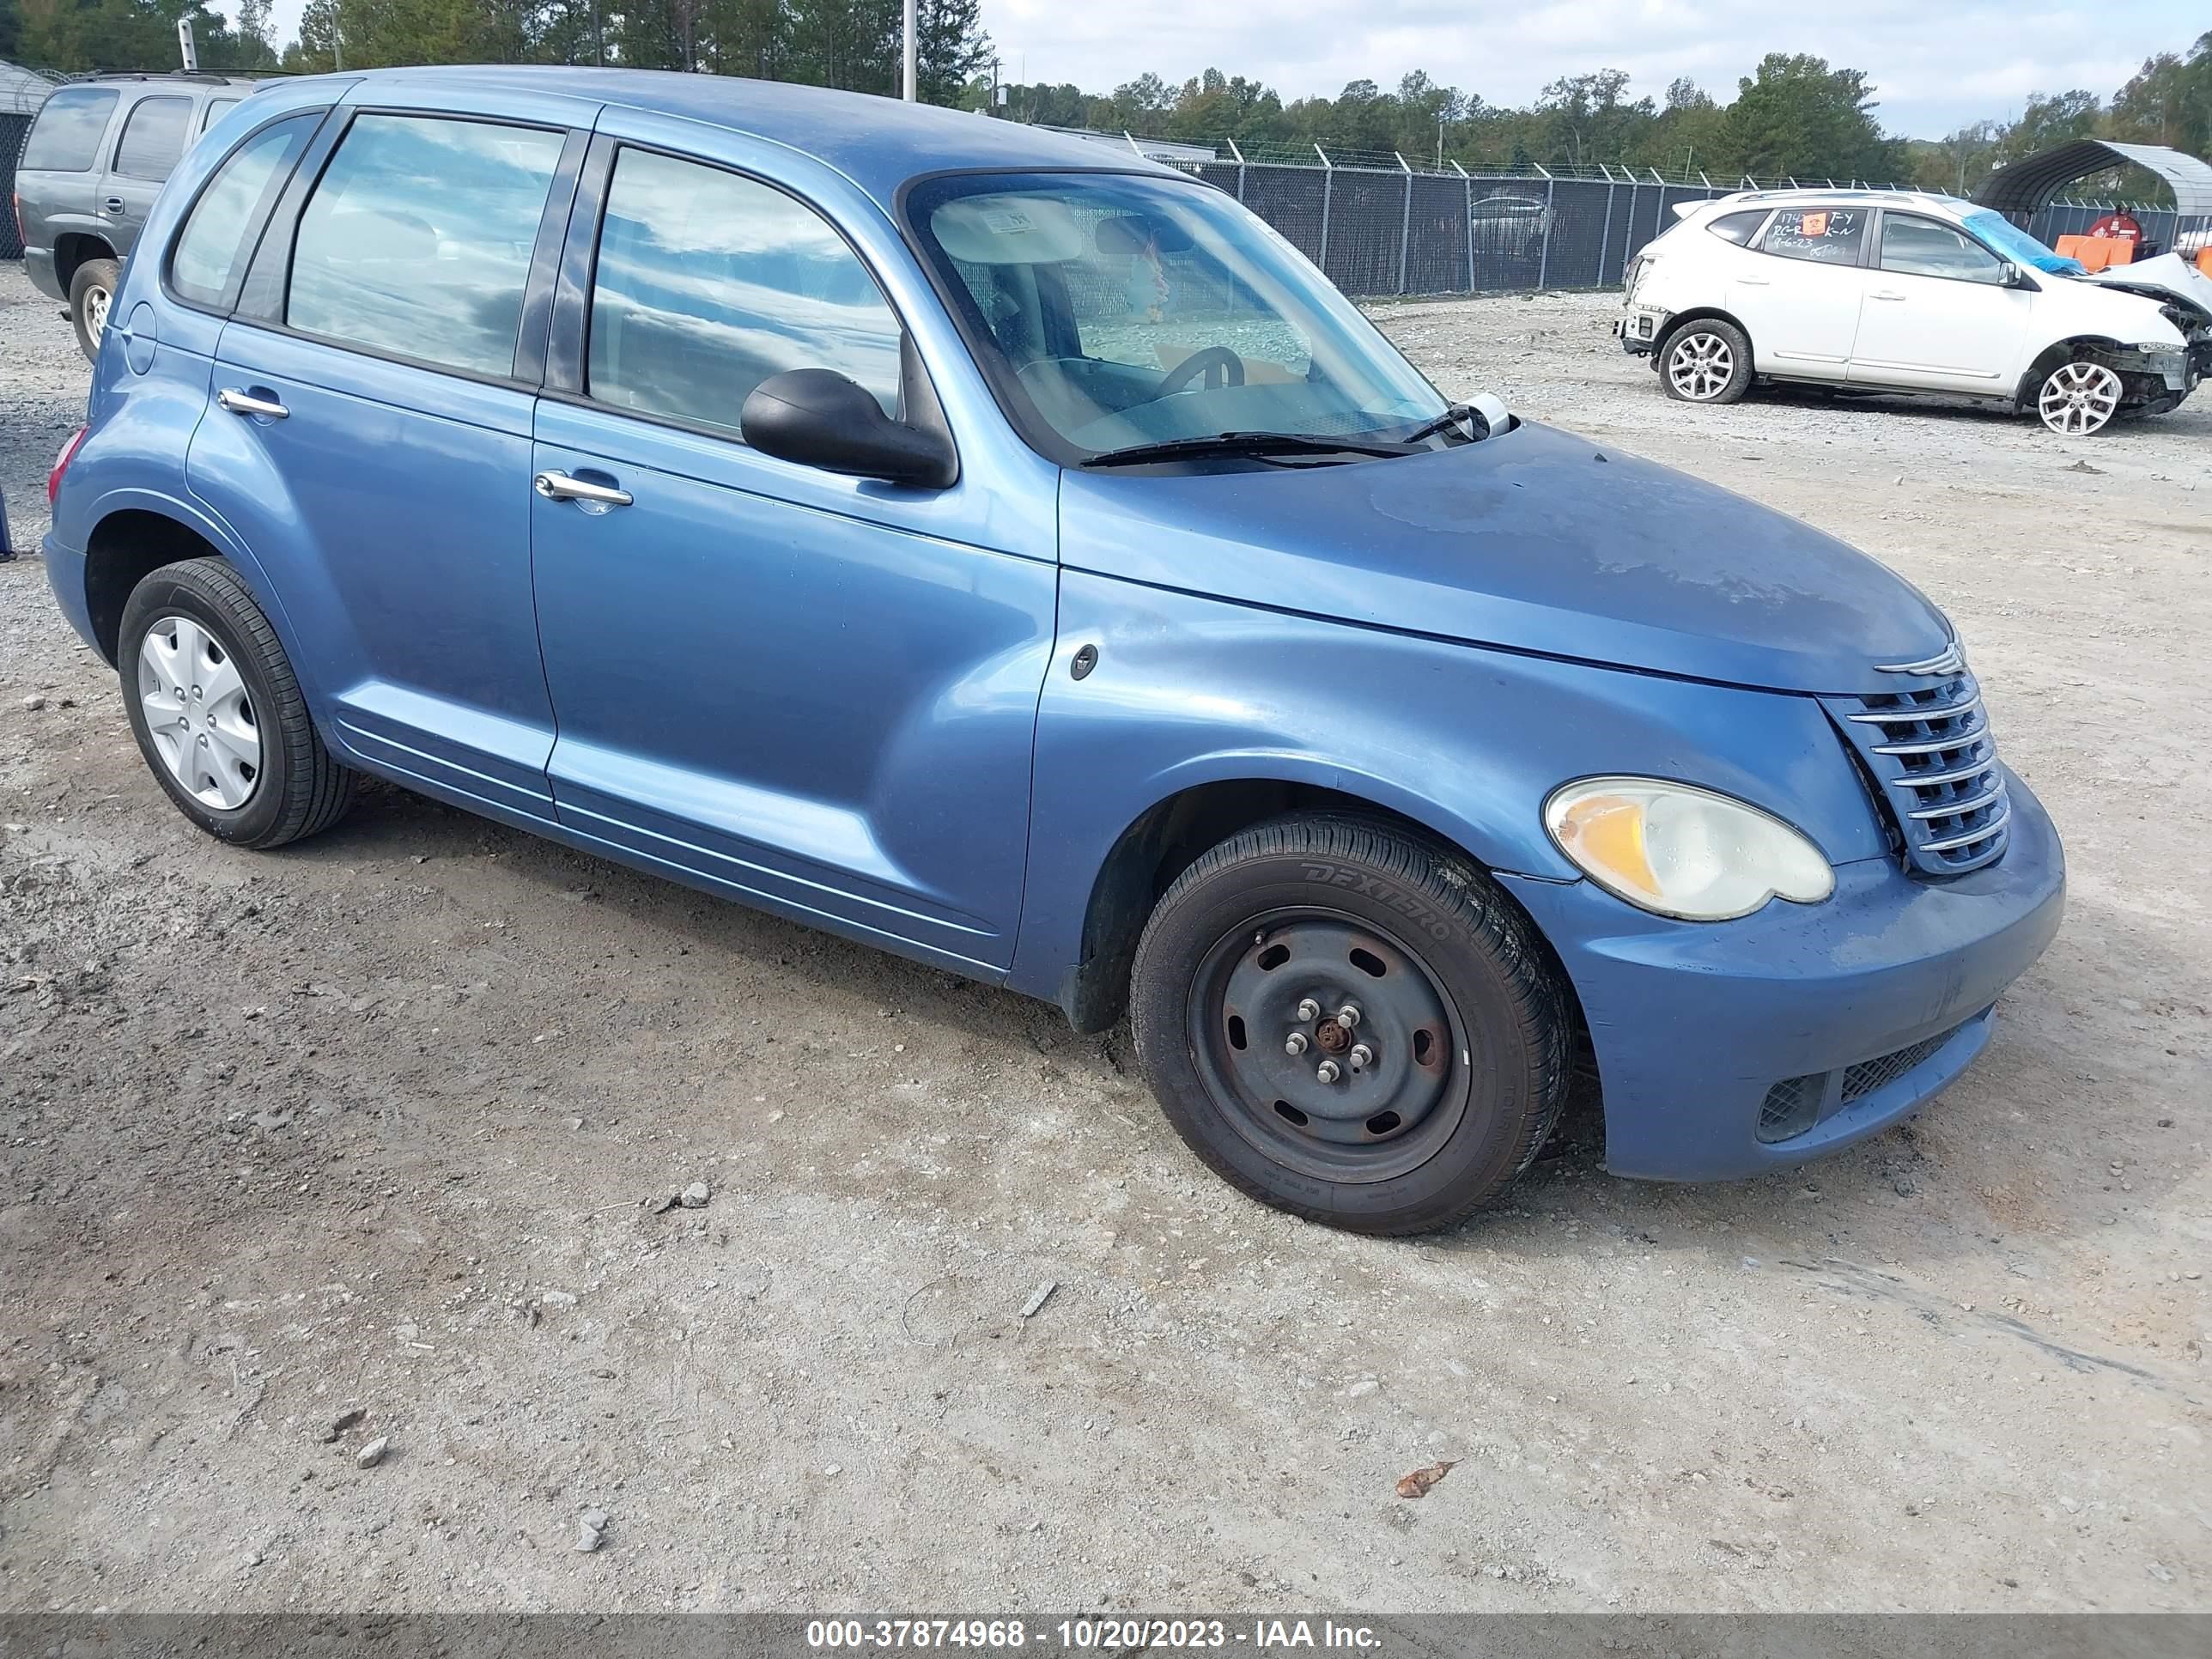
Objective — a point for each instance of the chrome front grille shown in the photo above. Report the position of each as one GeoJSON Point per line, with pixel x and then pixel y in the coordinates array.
{"type": "Point", "coordinates": [1929, 747]}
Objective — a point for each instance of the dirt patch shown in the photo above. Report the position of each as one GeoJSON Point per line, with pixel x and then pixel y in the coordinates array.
{"type": "Point", "coordinates": [381, 1123]}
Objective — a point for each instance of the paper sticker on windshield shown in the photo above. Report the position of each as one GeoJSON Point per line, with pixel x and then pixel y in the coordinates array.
{"type": "Point", "coordinates": [1816, 224]}
{"type": "Point", "coordinates": [1008, 221]}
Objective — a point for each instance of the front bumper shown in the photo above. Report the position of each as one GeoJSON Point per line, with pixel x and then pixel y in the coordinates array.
{"type": "Point", "coordinates": [1872, 1003]}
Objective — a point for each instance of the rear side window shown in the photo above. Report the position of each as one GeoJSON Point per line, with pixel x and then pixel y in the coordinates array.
{"type": "Point", "coordinates": [707, 283]}
{"type": "Point", "coordinates": [153, 137]}
{"type": "Point", "coordinates": [418, 240]}
{"type": "Point", "coordinates": [1738, 228]}
{"type": "Point", "coordinates": [216, 110]}
{"type": "Point", "coordinates": [1824, 236]}
{"type": "Point", "coordinates": [219, 231]}
{"type": "Point", "coordinates": [65, 139]}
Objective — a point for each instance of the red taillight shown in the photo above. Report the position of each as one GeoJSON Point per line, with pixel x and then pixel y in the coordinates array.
{"type": "Point", "coordinates": [60, 463]}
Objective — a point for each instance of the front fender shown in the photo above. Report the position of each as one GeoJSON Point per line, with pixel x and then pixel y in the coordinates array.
{"type": "Point", "coordinates": [1466, 741]}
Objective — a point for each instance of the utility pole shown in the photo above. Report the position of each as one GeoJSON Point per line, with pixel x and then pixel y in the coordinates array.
{"type": "Point", "coordinates": [912, 57]}
{"type": "Point", "coordinates": [599, 34]}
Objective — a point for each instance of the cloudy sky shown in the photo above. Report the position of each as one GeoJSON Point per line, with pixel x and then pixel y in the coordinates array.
{"type": "Point", "coordinates": [1939, 64]}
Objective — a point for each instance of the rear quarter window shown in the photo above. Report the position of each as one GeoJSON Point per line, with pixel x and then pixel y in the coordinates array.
{"type": "Point", "coordinates": [1738, 228]}
{"type": "Point", "coordinates": [65, 139]}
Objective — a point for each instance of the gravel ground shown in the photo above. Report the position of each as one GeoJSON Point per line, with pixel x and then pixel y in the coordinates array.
{"type": "Point", "coordinates": [367, 1126]}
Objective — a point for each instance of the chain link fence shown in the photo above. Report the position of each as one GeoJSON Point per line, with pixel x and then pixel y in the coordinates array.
{"type": "Point", "coordinates": [1378, 228]}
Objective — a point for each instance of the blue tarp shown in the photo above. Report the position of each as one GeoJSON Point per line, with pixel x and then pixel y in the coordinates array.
{"type": "Point", "coordinates": [2006, 237]}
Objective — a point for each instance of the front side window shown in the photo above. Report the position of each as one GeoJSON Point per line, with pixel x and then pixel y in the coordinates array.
{"type": "Point", "coordinates": [1821, 236]}
{"type": "Point", "coordinates": [65, 139]}
{"type": "Point", "coordinates": [1921, 247]}
{"type": "Point", "coordinates": [707, 283]}
{"type": "Point", "coordinates": [1114, 310]}
{"type": "Point", "coordinates": [213, 244]}
{"type": "Point", "coordinates": [418, 240]}
{"type": "Point", "coordinates": [153, 137]}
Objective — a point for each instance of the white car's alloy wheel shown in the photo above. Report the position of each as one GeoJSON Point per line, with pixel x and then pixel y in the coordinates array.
{"type": "Point", "coordinates": [2079, 399]}
{"type": "Point", "coordinates": [1700, 366]}
{"type": "Point", "coordinates": [198, 714]}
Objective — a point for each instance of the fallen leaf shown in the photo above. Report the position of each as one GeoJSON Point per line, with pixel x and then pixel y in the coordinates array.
{"type": "Point", "coordinates": [1417, 1483]}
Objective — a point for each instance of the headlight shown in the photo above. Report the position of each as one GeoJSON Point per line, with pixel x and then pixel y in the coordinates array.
{"type": "Point", "coordinates": [1681, 851]}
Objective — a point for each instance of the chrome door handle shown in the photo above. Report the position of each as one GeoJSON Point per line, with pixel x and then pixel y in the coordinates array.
{"type": "Point", "coordinates": [560, 486]}
{"type": "Point", "coordinates": [241, 403]}
{"type": "Point", "coordinates": [1885, 293]}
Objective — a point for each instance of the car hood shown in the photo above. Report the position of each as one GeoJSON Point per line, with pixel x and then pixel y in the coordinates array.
{"type": "Point", "coordinates": [2165, 279]}
{"type": "Point", "coordinates": [1531, 540]}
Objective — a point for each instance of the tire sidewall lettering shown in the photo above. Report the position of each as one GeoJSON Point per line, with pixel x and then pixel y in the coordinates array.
{"type": "Point", "coordinates": [1411, 906]}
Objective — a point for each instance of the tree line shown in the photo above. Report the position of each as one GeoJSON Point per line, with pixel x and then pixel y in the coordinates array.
{"type": "Point", "coordinates": [853, 44]}
{"type": "Point", "coordinates": [1796, 115]}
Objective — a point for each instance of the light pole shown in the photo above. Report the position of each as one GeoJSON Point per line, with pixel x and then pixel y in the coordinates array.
{"type": "Point", "coordinates": [912, 59]}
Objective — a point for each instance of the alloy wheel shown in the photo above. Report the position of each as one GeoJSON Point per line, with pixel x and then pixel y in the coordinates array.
{"type": "Point", "coordinates": [198, 713]}
{"type": "Point", "coordinates": [1700, 366]}
{"type": "Point", "coordinates": [2079, 399]}
{"type": "Point", "coordinates": [1328, 1045]}
{"type": "Point", "coordinates": [95, 312]}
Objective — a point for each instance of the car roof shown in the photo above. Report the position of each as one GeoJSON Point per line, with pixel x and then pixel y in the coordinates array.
{"type": "Point", "coordinates": [880, 143]}
{"type": "Point", "coordinates": [1926, 201]}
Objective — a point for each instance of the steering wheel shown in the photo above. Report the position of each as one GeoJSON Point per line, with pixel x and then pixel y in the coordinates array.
{"type": "Point", "coordinates": [1212, 358]}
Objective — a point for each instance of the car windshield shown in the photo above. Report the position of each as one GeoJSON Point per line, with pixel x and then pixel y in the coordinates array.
{"type": "Point", "coordinates": [2009, 240]}
{"type": "Point", "coordinates": [1112, 311]}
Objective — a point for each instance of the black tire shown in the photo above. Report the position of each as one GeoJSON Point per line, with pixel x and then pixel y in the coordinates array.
{"type": "Point", "coordinates": [298, 788]}
{"type": "Point", "coordinates": [94, 276]}
{"type": "Point", "coordinates": [1304, 886]}
{"type": "Point", "coordinates": [1721, 346]}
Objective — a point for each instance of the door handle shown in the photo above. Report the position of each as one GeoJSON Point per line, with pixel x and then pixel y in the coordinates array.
{"type": "Point", "coordinates": [1755, 282]}
{"type": "Point", "coordinates": [112, 204]}
{"type": "Point", "coordinates": [560, 486]}
{"type": "Point", "coordinates": [244, 403]}
{"type": "Point", "coordinates": [1885, 293]}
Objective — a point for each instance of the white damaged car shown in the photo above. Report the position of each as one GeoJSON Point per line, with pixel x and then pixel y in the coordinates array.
{"type": "Point", "coordinates": [1898, 291]}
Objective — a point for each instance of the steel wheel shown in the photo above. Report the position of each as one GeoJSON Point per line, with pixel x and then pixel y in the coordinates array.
{"type": "Point", "coordinates": [96, 300]}
{"type": "Point", "coordinates": [198, 712]}
{"type": "Point", "coordinates": [1701, 364]}
{"type": "Point", "coordinates": [1329, 1045]}
{"type": "Point", "coordinates": [2079, 399]}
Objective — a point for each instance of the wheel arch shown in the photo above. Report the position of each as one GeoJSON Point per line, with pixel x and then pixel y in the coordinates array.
{"type": "Point", "coordinates": [1681, 319]}
{"type": "Point", "coordinates": [2059, 351]}
{"type": "Point", "coordinates": [134, 534]}
{"type": "Point", "coordinates": [72, 248]}
{"type": "Point", "coordinates": [1172, 833]}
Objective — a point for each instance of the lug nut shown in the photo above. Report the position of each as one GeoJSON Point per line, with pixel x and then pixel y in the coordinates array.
{"type": "Point", "coordinates": [1309, 1009]}
{"type": "Point", "coordinates": [1360, 1057]}
{"type": "Point", "coordinates": [1327, 1071]}
{"type": "Point", "coordinates": [1295, 1043]}
{"type": "Point", "coordinates": [1348, 1016]}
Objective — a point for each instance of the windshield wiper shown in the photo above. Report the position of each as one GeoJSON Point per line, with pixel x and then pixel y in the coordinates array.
{"type": "Point", "coordinates": [1258, 445]}
{"type": "Point", "coordinates": [1451, 418]}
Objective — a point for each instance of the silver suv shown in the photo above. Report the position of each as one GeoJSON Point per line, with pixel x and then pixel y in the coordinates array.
{"type": "Point", "coordinates": [91, 168]}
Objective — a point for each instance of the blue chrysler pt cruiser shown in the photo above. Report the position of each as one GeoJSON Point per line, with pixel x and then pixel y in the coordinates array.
{"type": "Point", "coordinates": [1003, 551]}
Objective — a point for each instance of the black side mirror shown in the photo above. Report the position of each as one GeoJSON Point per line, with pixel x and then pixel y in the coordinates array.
{"type": "Point", "coordinates": [819, 417]}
